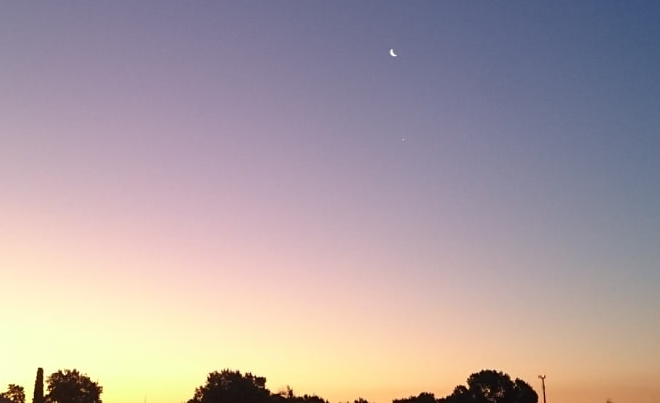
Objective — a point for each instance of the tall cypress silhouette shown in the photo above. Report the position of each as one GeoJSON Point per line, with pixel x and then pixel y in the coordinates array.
{"type": "Point", "coordinates": [39, 387]}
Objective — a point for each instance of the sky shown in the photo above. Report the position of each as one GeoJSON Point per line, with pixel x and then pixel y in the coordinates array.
{"type": "Point", "coordinates": [258, 185]}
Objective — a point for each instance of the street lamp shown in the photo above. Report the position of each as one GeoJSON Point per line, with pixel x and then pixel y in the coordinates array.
{"type": "Point", "coordinates": [542, 378]}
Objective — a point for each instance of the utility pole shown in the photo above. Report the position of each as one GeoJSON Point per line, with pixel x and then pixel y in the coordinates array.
{"type": "Point", "coordinates": [542, 378]}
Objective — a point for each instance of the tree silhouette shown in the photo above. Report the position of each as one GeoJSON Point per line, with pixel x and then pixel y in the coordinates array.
{"type": "Point", "coordinates": [14, 394]}
{"type": "Point", "coordinates": [286, 393]}
{"type": "Point", "coordinates": [70, 386]}
{"type": "Point", "coordinates": [524, 392]}
{"type": "Point", "coordinates": [299, 399]}
{"type": "Point", "coordinates": [461, 394]}
{"type": "Point", "coordinates": [232, 387]}
{"type": "Point", "coordinates": [423, 397]}
{"type": "Point", "coordinates": [38, 396]}
{"type": "Point", "coordinates": [310, 399]}
{"type": "Point", "coordinates": [489, 386]}
{"type": "Point", "coordinates": [288, 396]}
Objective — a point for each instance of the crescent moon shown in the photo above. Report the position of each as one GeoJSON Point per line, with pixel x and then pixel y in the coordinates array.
{"type": "Point", "coordinates": [392, 53]}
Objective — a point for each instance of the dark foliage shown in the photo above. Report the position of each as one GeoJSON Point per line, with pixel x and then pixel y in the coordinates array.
{"type": "Point", "coordinates": [232, 387]}
{"type": "Point", "coordinates": [38, 396]}
{"type": "Point", "coordinates": [461, 394]}
{"type": "Point", "coordinates": [524, 392]}
{"type": "Point", "coordinates": [70, 386]}
{"type": "Point", "coordinates": [280, 398]}
{"type": "Point", "coordinates": [423, 397]}
{"type": "Point", "coordinates": [14, 394]}
{"type": "Point", "coordinates": [489, 386]}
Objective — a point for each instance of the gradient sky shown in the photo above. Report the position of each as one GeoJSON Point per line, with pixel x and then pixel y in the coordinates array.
{"type": "Point", "coordinates": [192, 186]}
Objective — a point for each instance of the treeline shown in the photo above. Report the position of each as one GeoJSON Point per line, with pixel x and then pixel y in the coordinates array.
{"type": "Point", "coordinates": [229, 386]}
{"type": "Point", "coordinates": [68, 386]}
